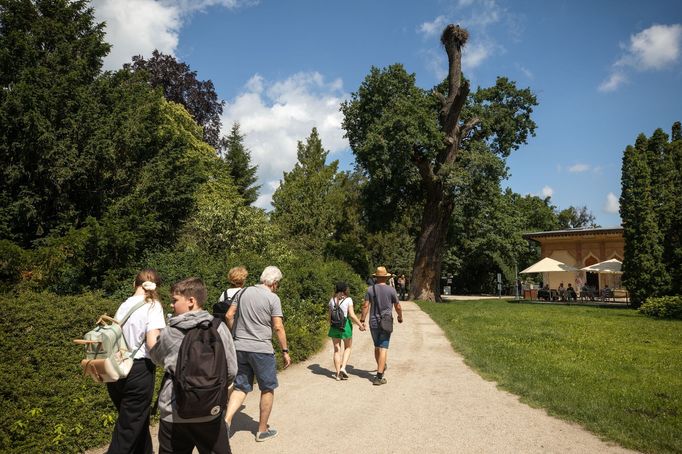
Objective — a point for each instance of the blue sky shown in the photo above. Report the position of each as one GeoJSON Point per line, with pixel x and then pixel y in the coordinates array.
{"type": "Point", "coordinates": [603, 71]}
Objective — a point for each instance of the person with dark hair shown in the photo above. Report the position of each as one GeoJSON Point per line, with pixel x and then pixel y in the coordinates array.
{"type": "Point", "coordinates": [177, 434]}
{"type": "Point", "coordinates": [341, 355]}
{"type": "Point", "coordinates": [132, 395]}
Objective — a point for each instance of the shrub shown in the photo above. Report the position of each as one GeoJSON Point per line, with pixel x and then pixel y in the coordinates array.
{"type": "Point", "coordinates": [663, 307]}
{"type": "Point", "coordinates": [46, 405]}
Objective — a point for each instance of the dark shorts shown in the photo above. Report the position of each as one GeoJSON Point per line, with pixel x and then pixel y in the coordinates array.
{"type": "Point", "coordinates": [262, 365]}
{"type": "Point", "coordinates": [380, 337]}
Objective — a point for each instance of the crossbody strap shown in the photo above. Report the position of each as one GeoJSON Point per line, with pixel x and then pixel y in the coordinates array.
{"type": "Point", "coordinates": [236, 299]}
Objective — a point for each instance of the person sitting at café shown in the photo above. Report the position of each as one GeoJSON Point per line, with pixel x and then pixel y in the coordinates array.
{"type": "Point", "coordinates": [570, 293]}
{"type": "Point", "coordinates": [544, 293]}
{"type": "Point", "coordinates": [562, 292]}
{"type": "Point", "coordinates": [606, 293]}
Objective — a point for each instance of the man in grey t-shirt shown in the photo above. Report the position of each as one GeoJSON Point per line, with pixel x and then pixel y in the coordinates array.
{"type": "Point", "coordinates": [253, 318]}
{"type": "Point", "coordinates": [382, 298]}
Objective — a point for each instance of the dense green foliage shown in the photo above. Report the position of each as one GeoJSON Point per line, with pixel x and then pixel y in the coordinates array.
{"type": "Point", "coordinates": [45, 80]}
{"type": "Point", "coordinates": [663, 307]}
{"type": "Point", "coordinates": [46, 404]}
{"type": "Point", "coordinates": [238, 160]}
{"type": "Point", "coordinates": [613, 371]}
{"type": "Point", "coordinates": [645, 204]}
{"type": "Point", "coordinates": [180, 84]}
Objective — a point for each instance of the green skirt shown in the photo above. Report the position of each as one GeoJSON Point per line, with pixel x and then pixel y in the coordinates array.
{"type": "Point", "coordinates": [345, 333]}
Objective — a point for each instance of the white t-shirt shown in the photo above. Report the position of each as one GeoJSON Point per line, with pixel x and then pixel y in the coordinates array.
{"type": "Point", "coordinates": [146, 318]}
{"type": "Point", "coordinates": [344, 303]}
{"type": "Point", "coordinates": [230, 293]}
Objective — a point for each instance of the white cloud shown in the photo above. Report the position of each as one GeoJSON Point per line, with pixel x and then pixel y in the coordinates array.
{"type": "Point", "coordinates": [275, 116]}
{"type": "Point", "coordinates": [137, 27]}
{"type": "Point", "coordinates": [526, 72]}
{"type": "Point", "coordinates": [433, 28]}
{"type": "Point", "coordinates": [654, 48]}
{"type": "Point", "coordinates": [615, 80]}
{"type": "Point", "coordinates": [579, 168]}
{"type": "Point", "coordinates": [612, 204]}
{"type": "Point", "coordinates": [547, 192]}
{"type": "Point", "coordinates": [475, 54]}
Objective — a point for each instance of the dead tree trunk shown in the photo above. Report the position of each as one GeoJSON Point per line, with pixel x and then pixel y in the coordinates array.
{"type": "Point", "coordinates": [439, 202]}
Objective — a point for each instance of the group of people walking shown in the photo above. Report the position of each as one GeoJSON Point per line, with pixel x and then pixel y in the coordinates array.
{"type": "Point", "coordinates": [251, 316]}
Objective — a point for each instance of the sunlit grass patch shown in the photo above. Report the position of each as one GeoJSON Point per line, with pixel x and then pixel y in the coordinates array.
{"type": "Point", "coordinates": [614, 371]}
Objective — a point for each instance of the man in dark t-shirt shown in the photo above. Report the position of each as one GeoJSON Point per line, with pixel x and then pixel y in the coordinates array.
{"type": "Point", "coordinates": [381, 298]}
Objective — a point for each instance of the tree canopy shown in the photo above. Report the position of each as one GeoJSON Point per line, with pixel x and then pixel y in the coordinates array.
{"type": "Point", "coordinates": [411, 143]}
{"type": "Point", "coordinates": [238, 160]}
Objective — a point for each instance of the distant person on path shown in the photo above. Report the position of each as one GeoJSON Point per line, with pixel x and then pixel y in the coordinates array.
{"type": "Point", "coordinates": [402, 287]}
{"type": "Point", "coordinates": [381, 298]}
{"type": "Point", "coordinates": [340, 356]}
{"type": "Point", "coordinates": [132, 395]}
{"type": "Point", "coordinates": [253, 319]}
{"type": "Point", "coordinates": [237, 277]}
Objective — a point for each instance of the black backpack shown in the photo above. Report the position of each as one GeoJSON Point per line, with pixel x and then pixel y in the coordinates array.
{"type": "Point", "coordinates": [200, 381]}
{"type": "Point", "coordinates": [221, 307]}
{"type": "Point", "coordinates": [337, 317]}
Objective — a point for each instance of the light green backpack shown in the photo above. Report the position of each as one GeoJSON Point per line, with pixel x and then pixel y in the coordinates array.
{"type": "Point", "coordinates": [107, 356]}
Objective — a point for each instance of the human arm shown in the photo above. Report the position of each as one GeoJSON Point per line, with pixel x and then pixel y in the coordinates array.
{"type": "Point", "coordinates": [278, 329]}
{"type": "Point", "coordinates": [365, 311]}
{"type": "Point", "coordinates": [399, 311]}
{"type": "Point", "coordinates": [229, 316]}
{"type": "Point", "coordinates": [354, 318]}
{"type": "Point", "coordinates": [152, 337]}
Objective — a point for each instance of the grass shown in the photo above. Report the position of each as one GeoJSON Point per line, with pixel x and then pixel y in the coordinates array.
{"type": "Point", "coordinates": [614, 371]}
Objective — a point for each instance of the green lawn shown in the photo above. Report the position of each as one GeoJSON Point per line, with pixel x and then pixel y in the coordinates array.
{"type": "Point", "coordinates": [614, 371]}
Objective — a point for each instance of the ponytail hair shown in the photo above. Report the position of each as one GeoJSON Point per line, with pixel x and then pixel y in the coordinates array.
{"type": "Point", "coordinates": [149, 280]}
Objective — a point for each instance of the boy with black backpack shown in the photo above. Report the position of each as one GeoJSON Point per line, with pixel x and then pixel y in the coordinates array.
{"type": "Point", "coordinates": [198, 356]}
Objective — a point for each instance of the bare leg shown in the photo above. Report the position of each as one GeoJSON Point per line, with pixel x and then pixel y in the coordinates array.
{"type": "Point", "coordinates": [266, 400]}
{"type": "Point", "coordinates": [347, 343]}
{"type": "Point", "coordinates": [376, 356]}
{"type": "Point", "coordinates": [236, 400]}
{"type": "Point", "coordinates": [337, 355]}
{"type": "Point", "coordinates": [381, 360]}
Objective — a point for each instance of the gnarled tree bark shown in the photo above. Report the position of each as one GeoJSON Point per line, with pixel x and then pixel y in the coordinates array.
{"type": "Point", "coordinates": [439, 202]}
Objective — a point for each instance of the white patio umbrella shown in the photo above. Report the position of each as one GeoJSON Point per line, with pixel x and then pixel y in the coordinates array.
{"type": "Point", "coordinates": [548, 265]}
{"type": "Point", "coordinates": [612, 266]}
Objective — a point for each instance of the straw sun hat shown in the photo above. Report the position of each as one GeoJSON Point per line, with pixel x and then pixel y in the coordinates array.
{"type": "Point", "coordinates": [381, 272]}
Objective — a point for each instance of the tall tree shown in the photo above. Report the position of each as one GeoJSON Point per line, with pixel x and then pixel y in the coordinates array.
{"type": "Point", "coordinates": [180, 84]}
{"type": "Point", "coordinates": [50, 53]}
{"type": "Point", "coordinates": [307, 204]}
{"type": "Point", "coordinates": [238, 159]}
{"type": "Point", "coordinates": [409, 142]}
{"type": "Point", "coordinates": [672, 237]}
{"type": "Point", "coordinates": [644, 274]}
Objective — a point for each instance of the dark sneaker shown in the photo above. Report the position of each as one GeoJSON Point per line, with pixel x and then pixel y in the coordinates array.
{"type": "Point", "coordinates": [343, 374]}
{"type": "Point", "coordinates": [379, 381]}
{"type": "Point", "coordinates": [267, 435]}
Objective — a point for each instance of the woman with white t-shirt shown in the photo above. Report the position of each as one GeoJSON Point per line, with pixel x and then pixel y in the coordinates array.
{"type": "Point", "coordinates": [346, 334]}
{"type": "Point", "coordinates": [132, 395]}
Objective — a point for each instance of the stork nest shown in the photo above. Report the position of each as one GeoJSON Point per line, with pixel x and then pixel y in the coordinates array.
{"type": "Point", "coordinates": [454, 35]}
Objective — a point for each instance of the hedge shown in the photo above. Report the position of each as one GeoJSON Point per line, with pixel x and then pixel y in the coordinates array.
{"type": "Point", "coordinates": [46, 405]}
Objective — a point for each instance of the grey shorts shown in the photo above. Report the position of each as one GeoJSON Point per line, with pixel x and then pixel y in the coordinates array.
{"type": "Point", "coordinates": [260, 365]}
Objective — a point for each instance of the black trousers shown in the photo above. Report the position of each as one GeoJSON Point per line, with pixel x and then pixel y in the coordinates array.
{"type": "Point", "coordinates": [132, 397]}
{"type": "Point", "coordinates": [208, 437]}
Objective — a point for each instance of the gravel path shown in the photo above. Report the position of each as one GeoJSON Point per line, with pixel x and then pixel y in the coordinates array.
{"type": "Point", "coordinates": [432, 403]}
